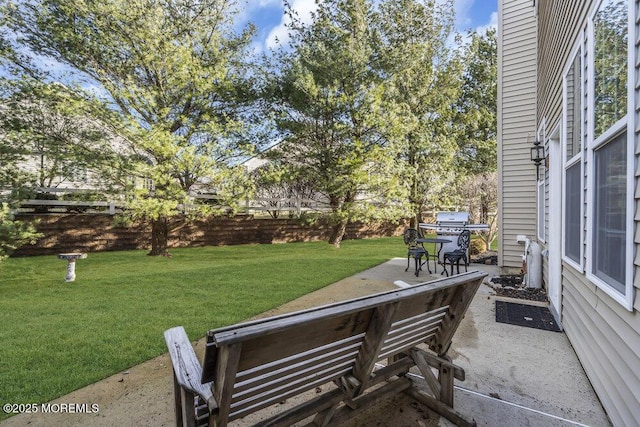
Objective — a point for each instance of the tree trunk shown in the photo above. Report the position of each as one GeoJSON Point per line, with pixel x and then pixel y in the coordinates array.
{"type": "Point", "coordinates": [159, 237]}
{"type": "Point", "coordinates": [337, 233]}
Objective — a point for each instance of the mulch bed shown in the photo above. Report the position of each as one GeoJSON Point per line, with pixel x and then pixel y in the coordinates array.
{"type": "Point", "coordinates": [487, 258]}
{"type": "Point", "coordinates": [511, 286]}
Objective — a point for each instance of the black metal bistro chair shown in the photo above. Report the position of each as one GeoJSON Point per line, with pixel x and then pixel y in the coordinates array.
{"type": "Point", "coordinates": [458, 254]}
{"type": "Point", "coordinates": [415, 250]}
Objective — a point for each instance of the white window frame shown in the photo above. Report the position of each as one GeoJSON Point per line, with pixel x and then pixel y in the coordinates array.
{"type": "Point", "coordinates": [541, 203]}
{"type": "Point", "coordinates": [579, 157]}
{"type": "Point", "coordinates": [626, 299]}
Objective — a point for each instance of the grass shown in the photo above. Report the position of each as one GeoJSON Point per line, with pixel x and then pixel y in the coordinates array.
{"type": "Point", "coordinates": [57, 337]}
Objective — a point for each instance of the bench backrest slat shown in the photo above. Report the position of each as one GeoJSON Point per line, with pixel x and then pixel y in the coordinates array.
{"type": "Point", "coordinates": [403, 335]}
{"type": "Point", "coordinates": [281, 357]}
{"type": "Point", "coordinates": [270, 396]}
{"type": "Point", "coordinates": [300, 367]}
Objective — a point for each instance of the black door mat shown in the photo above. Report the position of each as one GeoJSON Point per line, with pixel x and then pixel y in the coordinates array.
{"type": "Point", "coordinates": [531, 316]}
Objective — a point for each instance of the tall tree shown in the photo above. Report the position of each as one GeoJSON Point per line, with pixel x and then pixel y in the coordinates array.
{"type": "Point", "coordinates": [326, 103]}
{"type": "Point", "coordinates": [172, 71]}
{"type": "Point", "coordinates": [477, 106]}
{"type": "Point", "coordinates": [422, 83]}
{"type": "Point", "coordinates": [477, 125]}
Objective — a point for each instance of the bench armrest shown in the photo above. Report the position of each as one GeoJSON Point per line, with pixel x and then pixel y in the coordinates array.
{"type": "Point", "coordinates": [186, 367]}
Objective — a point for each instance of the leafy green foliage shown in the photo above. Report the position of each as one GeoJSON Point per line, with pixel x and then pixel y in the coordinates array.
{"type": "Point", "coordinates": [170, 76]}
{"type": "Point", "coordinates": [476, 126]}
{"type": "Point", "coordinates": [476, 118]}
{"type": "Point", "coordinates": [422, 83]}
{"type": "Point", "coordinates": [13, 233]}
{"type": "Point", "coordinates": [326, 101]}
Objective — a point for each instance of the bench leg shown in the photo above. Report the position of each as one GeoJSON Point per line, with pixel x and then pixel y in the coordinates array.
{"type": "Point", "coordinates": [435, 405]}
{"type": "Point", "coordinates": [369, 400]}
{"type": "Point", "coordinates": [441, 387]}
{"type": "Point", "coordinates": [324, 418]}
{"type": "Point", "coordinates": [188, 415]}
{"type": "Point", "coordinates": [177, 395]}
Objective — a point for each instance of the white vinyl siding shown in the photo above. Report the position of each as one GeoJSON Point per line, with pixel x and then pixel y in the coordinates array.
{"type": "Point", "coordinates": [603, 331]}
{"type": "Point", "coordinates": [517, 82]}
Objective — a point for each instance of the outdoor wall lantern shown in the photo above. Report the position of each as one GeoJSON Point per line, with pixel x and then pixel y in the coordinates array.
{"type": "Point", "coordinates": [537, 154]}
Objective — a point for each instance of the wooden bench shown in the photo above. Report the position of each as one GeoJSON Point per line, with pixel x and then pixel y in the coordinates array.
{"type": "Point", "coordinates": [253, 365]}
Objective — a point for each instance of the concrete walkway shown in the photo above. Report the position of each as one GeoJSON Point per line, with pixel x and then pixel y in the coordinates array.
{"type": "Point", "coordinates": [516, 376]}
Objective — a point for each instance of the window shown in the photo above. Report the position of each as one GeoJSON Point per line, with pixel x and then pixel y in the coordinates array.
{"type": "Point", "coordinates": [573, 164]}
{"type": "Point", "coordinates": [573, 214]}
{"type": "Point", "coordinates": [610, 64]}
{"type": "Point", "coordinates": [610, 212]}
{"type": "Point", "coordinates": [609, 228]}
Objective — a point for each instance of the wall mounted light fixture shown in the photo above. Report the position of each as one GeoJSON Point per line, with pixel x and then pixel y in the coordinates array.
{"type": "Point", "coordinates": [537, 155]}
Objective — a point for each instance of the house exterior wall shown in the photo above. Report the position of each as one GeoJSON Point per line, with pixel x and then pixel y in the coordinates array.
{"type": "Point", "coordinates": [516, 128]}
{"type": "Point", "coordinates": [603, 329]}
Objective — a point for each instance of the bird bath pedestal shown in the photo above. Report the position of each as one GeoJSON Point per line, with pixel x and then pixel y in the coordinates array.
{"type": "Point", "coordinates": [71, 266]}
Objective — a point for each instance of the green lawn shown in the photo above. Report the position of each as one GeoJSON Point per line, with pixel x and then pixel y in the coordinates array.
{"type": "Point", "coordinates": [57, 337]}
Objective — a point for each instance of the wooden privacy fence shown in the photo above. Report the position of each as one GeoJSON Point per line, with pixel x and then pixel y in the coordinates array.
{"type": "Point", "coordinates": [97, 232]}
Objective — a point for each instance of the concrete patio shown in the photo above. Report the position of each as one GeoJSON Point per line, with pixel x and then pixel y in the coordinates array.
{"type": "Point", "coordinates": [515, 376]}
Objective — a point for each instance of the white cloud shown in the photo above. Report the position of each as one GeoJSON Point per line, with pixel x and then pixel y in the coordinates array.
{"type": "Point", "coordinates": [464, 20]}
{"type": "Point", "coordinates": [493, 23]}
{"type": "Point", "coordinates": [280, 34]}
{"type": "Point", "coordinates": [462, 9]}
{"type": "Point", "coordinates": [254, 6]}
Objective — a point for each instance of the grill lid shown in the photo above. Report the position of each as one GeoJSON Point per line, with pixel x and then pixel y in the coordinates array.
{"type": "Point", "coordinates": [451, 218]}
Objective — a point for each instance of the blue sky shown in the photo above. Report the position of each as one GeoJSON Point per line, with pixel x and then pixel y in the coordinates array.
{"type": "Point", "coordinates": [474, 15]}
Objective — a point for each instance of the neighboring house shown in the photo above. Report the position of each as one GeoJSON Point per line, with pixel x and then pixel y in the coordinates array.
{"type": "Point", "coordinates": [253, 163]}
{"type": "Point", "coordinates": [568, 78]}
